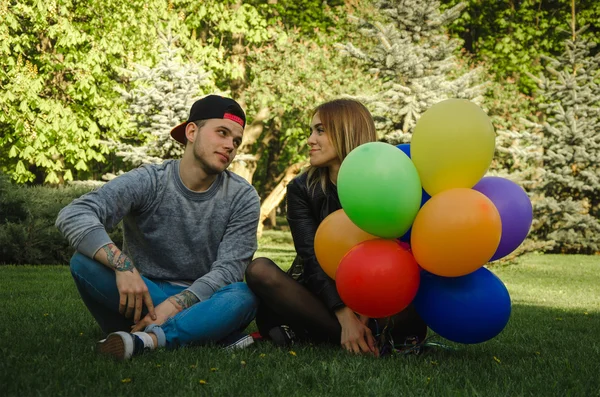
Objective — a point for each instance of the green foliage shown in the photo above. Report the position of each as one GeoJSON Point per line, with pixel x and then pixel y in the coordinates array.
{"type": "Point", "coordinates": [287, 79]}
{"type": "Point", "coordinates": [224, 30]}
{"type": "Point", "coordinates": [12, 202]}
{"type": "Point", "coordinates": [68, 63]}
{"type": "Point", "coordinates": [512, 35]}
{"type": "Point", "coordinates": [416, 62]}
{"type": "Point", "coordinates": [306, 15]}
{"type": "Point", "coordinates": [57, 85]}
{"type": "Point", "coordinates": [160, 98]}
{"type": "Point", "coordinates": [568, 196]}
{"type": "Point", "coordinates": [27, 216]}
{"type": "Point", "coordinates": [518, 150]}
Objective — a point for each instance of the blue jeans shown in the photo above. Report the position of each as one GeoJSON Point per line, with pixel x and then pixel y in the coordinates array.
{"type": "Point", "coordinates": [228, 310]}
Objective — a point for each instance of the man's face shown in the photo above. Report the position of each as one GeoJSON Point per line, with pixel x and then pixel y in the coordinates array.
{"type": "Point", "coordinates": [215, 144]}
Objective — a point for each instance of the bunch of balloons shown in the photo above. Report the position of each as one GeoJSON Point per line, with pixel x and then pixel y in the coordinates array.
{"type": "Point", "coordinates": [418, 224]}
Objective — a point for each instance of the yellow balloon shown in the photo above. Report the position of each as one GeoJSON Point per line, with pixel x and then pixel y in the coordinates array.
{"type": "Point", "coordinates": [452, 145]}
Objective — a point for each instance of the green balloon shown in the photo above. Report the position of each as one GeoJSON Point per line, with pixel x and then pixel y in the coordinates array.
{"type": "Point", "coordinates": [380, 189]}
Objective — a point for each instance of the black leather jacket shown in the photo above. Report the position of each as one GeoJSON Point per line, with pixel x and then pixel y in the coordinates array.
{"type": "Point", "coordinates": [305, 211]}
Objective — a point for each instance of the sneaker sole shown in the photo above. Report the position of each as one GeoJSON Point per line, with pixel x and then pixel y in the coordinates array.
{"type": "Point", "coordinates": [115, 346]}
{"type": "Point", "coordinates": [241, 344]}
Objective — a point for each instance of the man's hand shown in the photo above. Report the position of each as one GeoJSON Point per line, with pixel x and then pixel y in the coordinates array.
{"type": "Point", "coordinates": [133, 294]}
{"type": "Point", "coordinates": [356, 336]}
{"type": "Point", "coordinates": [164, 311]}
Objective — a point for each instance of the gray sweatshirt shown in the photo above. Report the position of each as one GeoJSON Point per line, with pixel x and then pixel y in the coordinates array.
{"type": "Point", "coordinates": [203, 239]}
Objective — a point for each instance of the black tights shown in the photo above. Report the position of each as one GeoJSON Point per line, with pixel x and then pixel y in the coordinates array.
{"type": "Point", "coordinates": [283, 300]}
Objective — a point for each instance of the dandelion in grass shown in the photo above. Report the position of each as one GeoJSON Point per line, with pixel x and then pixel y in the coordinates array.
{"type": "Point", "coordinates": [158, 365]}
{"type": "Point", "coordinates": [81, 334]}
{"type": "Point", "coordinates": [262, 355]}
{"type": "Point", "coordinates": [496, 359]}
{"type": "Point", "coordinates": [202, 382]}
{"type": "Point", "coordinates": [293, 353]}
{"type": "Point", "coordinates": [45, 314]}
{"type": "Point", "coordinates": [214, 369]}
{"type": "Point", "coordinates": [243, 362]}
{"type": "Point", "coordinates": [126, 380]}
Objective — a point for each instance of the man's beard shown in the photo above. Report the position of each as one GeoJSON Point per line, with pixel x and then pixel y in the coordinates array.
{"type": "Point", "coordinates": [208, 169]}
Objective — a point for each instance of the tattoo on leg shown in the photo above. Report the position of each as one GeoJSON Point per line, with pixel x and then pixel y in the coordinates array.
{"type": "Point", "coordinates": [117, 259]}
{"type": "Point", "coordinates": [186, 299]}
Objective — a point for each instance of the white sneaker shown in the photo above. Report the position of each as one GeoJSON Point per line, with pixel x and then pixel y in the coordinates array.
{"type": "Point", "coordinates": [123, 345]}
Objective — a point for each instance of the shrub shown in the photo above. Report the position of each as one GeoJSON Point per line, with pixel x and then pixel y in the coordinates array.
{"type": "Point", "coordinates": [27, 216]}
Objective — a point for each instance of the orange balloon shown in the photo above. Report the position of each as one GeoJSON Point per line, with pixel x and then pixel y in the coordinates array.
{"type": "Point", "coordinates": [456, 232]}
{"type": "Point", "coordinates": [335, 236]}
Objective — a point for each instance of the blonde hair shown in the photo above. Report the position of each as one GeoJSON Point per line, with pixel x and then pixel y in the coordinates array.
{"type": "Point", "coordinates": [348, 124]}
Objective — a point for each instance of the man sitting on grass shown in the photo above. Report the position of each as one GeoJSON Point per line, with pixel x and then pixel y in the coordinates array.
{"type": "Point", "coordinates": [189, 234]}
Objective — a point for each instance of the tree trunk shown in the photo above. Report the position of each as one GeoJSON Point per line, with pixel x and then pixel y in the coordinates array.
{"type": "Point", "coordinates": [244, 165]}
{"type": "Point", "coordinates": [573, 20]}
{"type": "Point", "coordinates": [273, 217]}
{"type": "Point", "coordinates": [277, 194]}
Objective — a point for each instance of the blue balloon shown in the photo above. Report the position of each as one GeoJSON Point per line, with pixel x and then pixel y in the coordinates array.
{"type": "Point", "coordinates": [405, 147]}
{"type": "Point", "coordinates": [467, 309]}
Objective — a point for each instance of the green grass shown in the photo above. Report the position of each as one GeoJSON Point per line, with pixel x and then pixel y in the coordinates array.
{"type": "Point", "coordinates": [549, 348]}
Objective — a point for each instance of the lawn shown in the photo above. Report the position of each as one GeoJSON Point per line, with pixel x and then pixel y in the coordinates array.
{"type": "Point", "coordinates": [551, 346]}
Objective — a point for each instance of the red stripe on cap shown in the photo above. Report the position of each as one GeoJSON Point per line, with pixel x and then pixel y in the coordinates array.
{"type": "Point", "coordinates": [233, 117]}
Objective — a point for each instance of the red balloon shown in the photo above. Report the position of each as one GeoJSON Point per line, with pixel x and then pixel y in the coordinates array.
{"type": "Point", "coordinates": [377, 278]}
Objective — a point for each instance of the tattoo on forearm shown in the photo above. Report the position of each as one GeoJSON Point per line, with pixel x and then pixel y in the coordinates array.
{"type": "Point", "coordinates": [117, 259]}
{"type": "Point", "coordinates": [185, 299]}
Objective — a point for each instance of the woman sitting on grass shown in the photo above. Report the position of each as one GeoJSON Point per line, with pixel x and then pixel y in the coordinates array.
{"type": "Point", "coordinates": [303, 304]}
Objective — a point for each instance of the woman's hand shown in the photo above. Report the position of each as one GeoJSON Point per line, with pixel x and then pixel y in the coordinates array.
{"type": "Point", "coordinates": [356, 336]}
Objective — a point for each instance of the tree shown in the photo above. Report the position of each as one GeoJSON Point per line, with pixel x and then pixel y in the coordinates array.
{"type": "Point", "coordinates": [567, 201]}
{"type": "Point", "coordinates": [288, 78]}
{"type": "Point", "coordinates": [519, 151]}
{"type": "Point", "coordinates": [276, 76]}
{"type": "Point", "coordinates": [416, 62]}
{"type": "Point", "coordinates": [257, 64]}
{"type": "Point", "coordinates": [308, 16]}
{"type": "Point", "coordinates": [512, 35]}
{"type": "Point", "coordinates": [61, 63]}
{"type": "Point", "coordinates": [160, 98]}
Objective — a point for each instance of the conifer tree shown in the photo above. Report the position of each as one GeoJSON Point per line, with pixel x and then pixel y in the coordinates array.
{"type": "Point", "coordinates": [417, 61]}
{"type": "Point", "coordinates": [567, 198]}
{"type": "Point", "coordinates": [161, 99]}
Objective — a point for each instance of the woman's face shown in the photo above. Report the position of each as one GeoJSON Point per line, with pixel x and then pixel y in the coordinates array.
{"type": "Point", "coordinates": [322, 152]}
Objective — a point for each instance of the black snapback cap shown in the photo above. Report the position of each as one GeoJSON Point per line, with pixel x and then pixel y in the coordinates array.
{"type": "Point", "coordinates": [211, 107]}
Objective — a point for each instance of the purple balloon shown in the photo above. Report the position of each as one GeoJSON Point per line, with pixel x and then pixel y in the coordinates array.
{"type": "Point", "coordinates": [515, 210]}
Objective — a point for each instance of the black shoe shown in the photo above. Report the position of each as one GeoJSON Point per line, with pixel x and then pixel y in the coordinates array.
{"type": "Point", "coordinates": [282, 336]}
